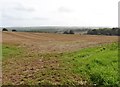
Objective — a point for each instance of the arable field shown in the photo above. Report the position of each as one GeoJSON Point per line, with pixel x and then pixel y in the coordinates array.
{"type": "Point", "coordinates": [59, 59]}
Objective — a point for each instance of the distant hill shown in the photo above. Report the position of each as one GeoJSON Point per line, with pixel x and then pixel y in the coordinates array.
{"type": "Point", "coordinates": [49, 29]}
{"type": "Point", "coordinates": [65, 30]}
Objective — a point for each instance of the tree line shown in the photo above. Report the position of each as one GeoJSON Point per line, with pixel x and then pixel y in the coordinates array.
{"type": "Point", "coordinates": [105, 31]}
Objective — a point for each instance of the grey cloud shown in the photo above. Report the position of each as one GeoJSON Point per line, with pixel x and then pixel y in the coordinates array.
{"type": "Point", "coordinates": [64, 9]}
{"type": "Point", "coordinates": [20, 7]}
{"type": "Point", "coordinates": [16, 7]}
{"type": "Point", "coordinates": [24, 9]}
{"type": "Point", "coordinates": [40, 18]}
{"type": "Point", "coordinates": [5, 16]}
{"type": "Point", "coordinates": [13, 17]}
{"type": "Point", "coordinates": [17, 12]}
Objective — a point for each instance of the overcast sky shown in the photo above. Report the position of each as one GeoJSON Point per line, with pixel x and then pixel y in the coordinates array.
{"type": "Point", "coordinates": [59, 12]}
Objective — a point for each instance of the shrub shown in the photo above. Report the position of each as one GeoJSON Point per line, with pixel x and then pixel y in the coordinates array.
{"type": "Point", "coordinates": [13, 30]}
{"type": "Point", "coordinates": [71, 32]}
{"type": "Point", "coordinates": [4, 29]}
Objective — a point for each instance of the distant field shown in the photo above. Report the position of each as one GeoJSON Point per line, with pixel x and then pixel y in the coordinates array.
{"type": "Point", "coordinates": [50, 42]}
{"type": "Point", "coordinates": [57, 59]}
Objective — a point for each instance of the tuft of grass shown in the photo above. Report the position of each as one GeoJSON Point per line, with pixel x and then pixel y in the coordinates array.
{"type": "Point", "coordinates": [98, 65]}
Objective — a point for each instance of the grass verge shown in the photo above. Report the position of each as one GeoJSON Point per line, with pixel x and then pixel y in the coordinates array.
{"type": "Point", "coordinates": [99, 65]}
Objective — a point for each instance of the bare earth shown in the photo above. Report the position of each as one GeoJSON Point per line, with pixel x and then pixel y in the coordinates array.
{"type": "Point", "coordinates": [31, 68]}
{"type": "Point", "coordinates": [46, 42]}
{"type": "Point", "coordinates": [0, 59]}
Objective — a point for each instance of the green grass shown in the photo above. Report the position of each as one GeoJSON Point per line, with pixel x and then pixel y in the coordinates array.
{"type": "Point", "coordinates": [18, 62]}
{"type": "Point", "coordinates": [11, 51]}
{"type": "Point", "coordinates": [0, 51]}
{"type": "Point", "coordinates": [99, 65]}
{"type": "Point", "coordinates": [96, 65]}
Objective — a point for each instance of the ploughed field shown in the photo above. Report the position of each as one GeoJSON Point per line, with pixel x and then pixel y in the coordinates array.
{"type": "Point", "coordinates": [47, 42]}
{"type": "Point", "coordinates": [59, 59]}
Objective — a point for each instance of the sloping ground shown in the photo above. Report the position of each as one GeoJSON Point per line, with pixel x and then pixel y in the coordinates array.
{"type": "Point", "coordinates": [38, 58]}
{"type": "Point", "coordinates": [47, 42]}
{"type": "Point", "coordinates": [97, 64]}
{"type": "Point", "coordinates": [23, 67]}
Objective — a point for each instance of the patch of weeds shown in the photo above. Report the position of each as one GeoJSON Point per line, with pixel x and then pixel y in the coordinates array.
{"type": "Point", "coordinates": [98, 65]}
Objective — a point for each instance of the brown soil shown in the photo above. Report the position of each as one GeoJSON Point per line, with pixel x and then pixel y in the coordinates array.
{"type": "Point", "coordinates": [35, 65]}
{"type": "Point", "coordinates": [47, 42]}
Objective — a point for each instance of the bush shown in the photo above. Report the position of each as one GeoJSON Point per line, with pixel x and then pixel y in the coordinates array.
{"type": "Point", "coordinates": [65, 32]}
{"type": "Point", "coordinates": [13, 30]}
{"type": "Point", "coordinates": [71, 32]}
{"type": "Point", "coordinates": [68, 32]}
{"type": "Point", "coordinates": [4, 29]}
